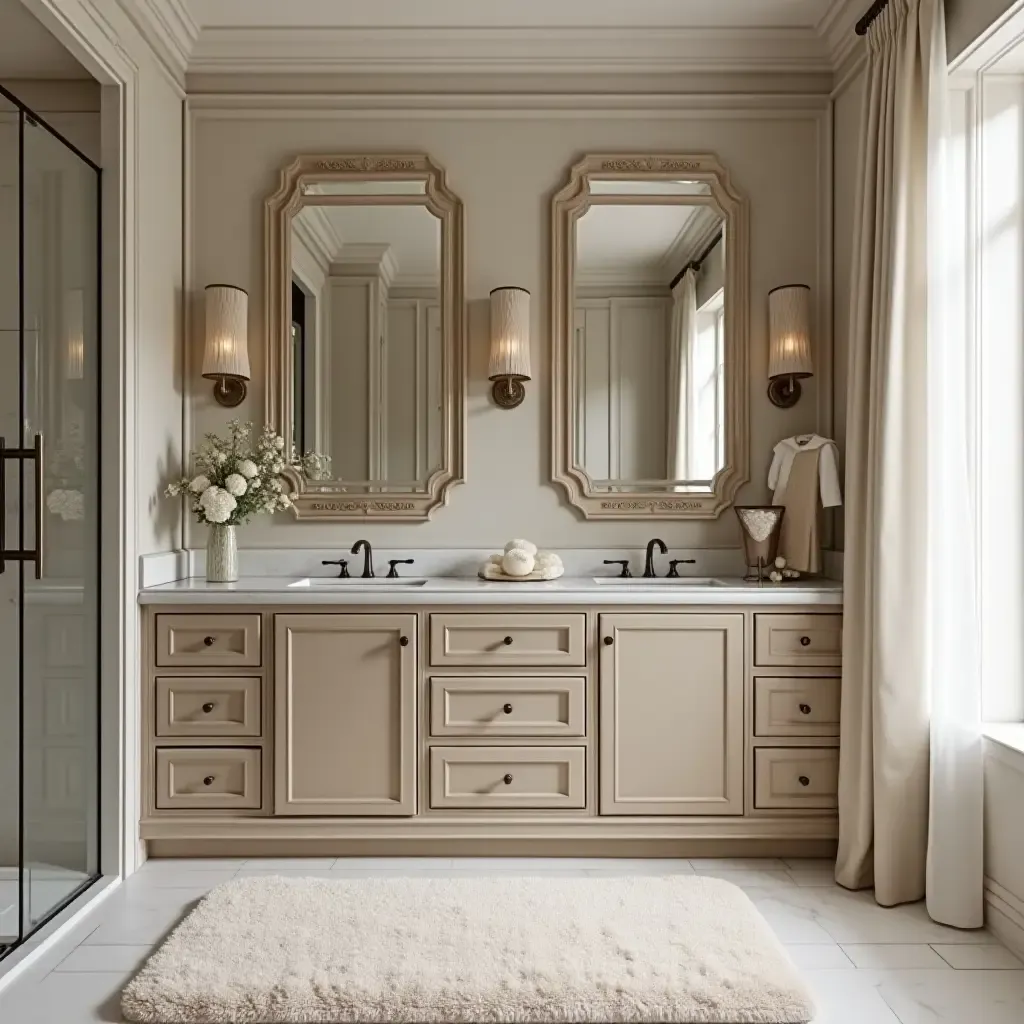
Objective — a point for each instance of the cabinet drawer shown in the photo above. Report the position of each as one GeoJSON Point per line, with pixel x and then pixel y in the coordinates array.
{"type": "Point", "coordinates": [798, 640]}
{"type": "Point", "coordinates": [796, 707]}
{"type": "Point", "coordinates": [796, 777]}
{"type": "Point", "coordinates": [207, 641]}
{"type": "Point", "coordinates": [507, 706]}
{"type": "Point", "coordinates": [550, 641]}
{"type": "Point", "coordinates": [516, 777]}
{"type": "Point", "coordinates": [203, 706]}
{"type": "Point", "coordinates": [215, 778]}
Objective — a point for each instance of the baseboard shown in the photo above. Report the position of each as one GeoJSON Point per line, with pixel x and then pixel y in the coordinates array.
{"type": "Point", "coordinates": [1004, 915]}
{"type": "Point", "coordinates": [649, 848]}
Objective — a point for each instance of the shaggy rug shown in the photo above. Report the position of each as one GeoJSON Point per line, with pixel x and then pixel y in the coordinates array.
{"type": "Point", "coordinates": [469, 951]}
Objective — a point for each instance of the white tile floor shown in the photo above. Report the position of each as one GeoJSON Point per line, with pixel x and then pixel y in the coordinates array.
{"type": "Point", "coordinates": [866, 964]}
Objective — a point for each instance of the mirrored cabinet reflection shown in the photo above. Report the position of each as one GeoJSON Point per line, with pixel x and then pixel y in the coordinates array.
{"type": "Point", "coordinates": [366, 287]}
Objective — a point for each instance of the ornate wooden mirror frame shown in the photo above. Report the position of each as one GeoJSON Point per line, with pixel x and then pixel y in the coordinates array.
{"type": "Point", "coordinates": [332, 499]}
{"type": "Point", "coordinates": [568, 205]}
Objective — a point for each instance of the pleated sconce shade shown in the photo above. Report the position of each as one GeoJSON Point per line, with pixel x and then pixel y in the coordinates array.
{"type": "Point", "coordinates": [510, 345]}
{"type": "Point", "coordinates": [226, 357]}
{"type": "Point", "coordinates": [789, 331]}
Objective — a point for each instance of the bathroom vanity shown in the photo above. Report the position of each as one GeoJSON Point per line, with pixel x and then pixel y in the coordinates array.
{"type": "Point", "coordinates": [587, 716]}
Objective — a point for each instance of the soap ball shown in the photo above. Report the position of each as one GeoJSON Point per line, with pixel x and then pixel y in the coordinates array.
{"type": "Point", "coordinates": [780, 562]}
{"type": "Point", "coordinates": [518, 562]}
{"type": "Point", "coordinates": [496, 559]}
{"type": "Point", "coordinates": [775, 577]}
{"type": "Point", "coordinates": [548, 560]}
{"type": "Point", "coordinates": [521, 545]}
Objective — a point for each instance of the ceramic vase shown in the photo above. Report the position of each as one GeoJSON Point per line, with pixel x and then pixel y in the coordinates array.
{"type": "Point", "coordinates": [222, 555]}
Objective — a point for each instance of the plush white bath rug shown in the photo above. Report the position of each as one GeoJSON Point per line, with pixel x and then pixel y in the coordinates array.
{"type": "Point", "coordinates": [460, 950]}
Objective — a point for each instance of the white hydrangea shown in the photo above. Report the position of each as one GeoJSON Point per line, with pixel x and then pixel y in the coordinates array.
{"type": "Point", "coordinates": [220, 458]}
{"type": "Point", "coordinates": [199, 484]}
{"type": "Point", "coordinates": [254, 483]}
{"type": "Point", "coordinates": [248, 469]}
{"type": "Point", "coordinates": [218, 504]}
{"type": "Point", "coordinates": [279, 442]}
{"type": "Point", "coordinates": [235, 484]}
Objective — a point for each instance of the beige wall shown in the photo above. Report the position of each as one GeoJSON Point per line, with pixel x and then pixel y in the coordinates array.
{"type": "Point", "coordinates": [966, 20]}
{"type": "Point", "coordinates": [1004, 840]}
{"type": "Point", "coordinates": [505, 165]}
{"type": "Point", "coordinates": [846, 124]}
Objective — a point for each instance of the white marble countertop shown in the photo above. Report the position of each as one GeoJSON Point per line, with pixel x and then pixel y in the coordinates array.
{"type": "Point", "coordinates": [463, 590]}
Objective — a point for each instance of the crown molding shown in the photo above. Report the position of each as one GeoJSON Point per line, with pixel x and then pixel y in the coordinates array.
{"type": "Point", "coordinates": [836, 29]}
{"type": "Point", "coordinates": [280, 51]}
{"type": "Point", "coordinates": [168, 27]}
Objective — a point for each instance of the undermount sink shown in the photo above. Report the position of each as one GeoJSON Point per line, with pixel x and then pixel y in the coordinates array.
{"type": "Point", "coordinates": [659, 581]}
{"type": "Point", "coordinates": [357, 582]}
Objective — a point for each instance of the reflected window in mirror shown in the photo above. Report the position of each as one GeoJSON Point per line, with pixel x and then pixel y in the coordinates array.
{"type": "Point", "coordinates": [649, 337]}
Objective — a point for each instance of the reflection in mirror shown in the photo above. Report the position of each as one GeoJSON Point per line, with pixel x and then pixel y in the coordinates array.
{"type": "Point", "coordinates": [649, 350]}
{"type": "Point", "coordinates": [366, 334]}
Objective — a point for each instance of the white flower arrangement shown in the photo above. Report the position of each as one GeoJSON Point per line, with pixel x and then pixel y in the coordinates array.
{"type": "Point", "coordinates": [235, 481]}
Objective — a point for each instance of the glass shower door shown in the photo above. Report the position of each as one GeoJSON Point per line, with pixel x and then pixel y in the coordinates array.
{"type": "Point", "coordinates": [49, 573]}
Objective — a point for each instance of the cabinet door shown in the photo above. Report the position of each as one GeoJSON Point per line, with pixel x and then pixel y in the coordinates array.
{"type": "Point", "coordinates": [345, 714]}
{"type": "Point", "coordinates": [671, 737]}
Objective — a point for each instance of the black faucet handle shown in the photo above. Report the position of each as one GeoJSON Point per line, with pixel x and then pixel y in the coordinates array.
{"type": "Point", "coordinates": [672, 571]}
{"type": "Point", "coordinates": [393, 572]}
{"type": "Point", "coordinates": [343, 564]}
{"type": "Point", "coordinates": [624, 562]}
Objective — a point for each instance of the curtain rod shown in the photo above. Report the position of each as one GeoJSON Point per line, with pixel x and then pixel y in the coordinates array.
{"type": "Point", "coordinates": [869, 16]}
{"type": "Point", "coordinates": [695, 264]}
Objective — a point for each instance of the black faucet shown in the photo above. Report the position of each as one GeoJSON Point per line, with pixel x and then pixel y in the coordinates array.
{"type": "Point", "coordinates": [649, 572]}
{"type": "Point", "coordinates": [342, 571]}
{"type": "Point", "coordinates": [364, 546]}
{"type": "Point", "coordinates": [673, 565]}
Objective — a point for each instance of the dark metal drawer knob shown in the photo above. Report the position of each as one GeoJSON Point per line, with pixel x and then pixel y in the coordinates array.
{"type": "Point", "coordinates": [507, 709]}
{"type": "Point", "coordinates": [608, 641]}
{"type": "Point", "coordinates": [805, 641]}
{"type": "Point", "coordinates": [404, 641]}
{"type": "Point", "coordinates": [805, 709]}
{"type": "Point", "coordinates": [208, 781]}
{"type": "Point", "coordinates": [208, 706]}
{"type": "Point", "coordinates": [507, 641]}
{"type": "Point", "coordinates": [804, 781]}
{"type": "Point", "coordinates": [507, 780]}
{"type": "Point", "coordinates": [209, 640]}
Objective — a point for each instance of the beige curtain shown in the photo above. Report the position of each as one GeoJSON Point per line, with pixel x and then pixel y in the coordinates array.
{"type": "Point", "coordinates": [681, 341]}
{"type": "Point", "coordinates": [905, 787]}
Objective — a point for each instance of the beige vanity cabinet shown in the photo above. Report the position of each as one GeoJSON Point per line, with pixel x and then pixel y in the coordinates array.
{"type": "Point", "coordinates": [671, 702]}
{"type": "Point", "coordinates": [345, 714]}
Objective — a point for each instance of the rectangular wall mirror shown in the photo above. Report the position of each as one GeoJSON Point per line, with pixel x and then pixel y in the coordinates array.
{"type": "Point", "coordinates": [650, 297]}
{"type": "Point", "coordinates": [365, 305]}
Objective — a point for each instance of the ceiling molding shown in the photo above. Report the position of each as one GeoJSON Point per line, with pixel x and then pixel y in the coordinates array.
{"type": "Point", "coordinates": [837, 26]}
{"type": "Point", "coordinates": [168, 27]}
{"type": "Point", "coordinates": [276, 51]}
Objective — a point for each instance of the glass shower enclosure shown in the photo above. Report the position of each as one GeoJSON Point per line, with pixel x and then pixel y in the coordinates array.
{"type": "Point", "coordinates": [49, 521]}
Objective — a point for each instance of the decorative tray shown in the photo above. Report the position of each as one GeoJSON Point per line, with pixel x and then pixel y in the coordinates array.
{"type": "Point", "coordinates": [494, 573]}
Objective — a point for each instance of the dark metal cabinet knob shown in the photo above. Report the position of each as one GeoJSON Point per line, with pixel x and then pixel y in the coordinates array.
{"type": "Point", "coordinates": [507, 641]}
{"type": "Point", "coordinates": [507, 780]}
{"type": "Point", "coordinates": [804, 781]}
{"type": "Point", "coordinates": [805, 709]}
{"type": "Point", "coordinates": [608, 641]}
{"type": "Point", "coordinates": [507, 709]}
{"type": "Point", "coordinates": [209, 640]}
{"type": "Point", "coordinates": [805, 641]}
{"type": "Point", "coordinates": [404, 641]}
{"type": "Point", "coordinates": [208, 706]}
{"type": "Point", "coordinates": [208, 781]}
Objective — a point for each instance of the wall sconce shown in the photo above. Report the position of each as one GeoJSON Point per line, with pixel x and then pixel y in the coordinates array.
{"type": "Point", "coordinates": [226, 357]}
{"type": "Point", "coordinates": [789, 341]}
{"type": "Point", "coordinates": [510, 345]}
{"type": "Point", "coordinates": [74, 334]}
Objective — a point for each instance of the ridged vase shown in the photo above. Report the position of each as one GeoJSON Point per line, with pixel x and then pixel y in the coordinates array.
{"type": "Point", "coordinates": [221, 554]}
